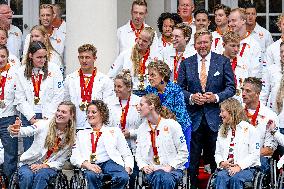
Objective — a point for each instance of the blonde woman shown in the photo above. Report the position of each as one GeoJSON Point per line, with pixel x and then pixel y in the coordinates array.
{"type": "Point", "coordinates": [53, 140]}
{"type": "Point", "coordinates": [237, 147]}
{"type": "Point", "coordinates": [161, 147]}
{"type": "Point", "coordinates": [39, 33]}
{"type": "Point", "coordinates": [136, 60]}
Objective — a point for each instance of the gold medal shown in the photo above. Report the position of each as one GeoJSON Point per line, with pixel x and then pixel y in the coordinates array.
{"type": "Point", "coordinates": [156, 160]}
{"type": "Point", "coordinates": [238, 92]}
{"type": "Point", "coordinates": [93, 158]}
{"type": "Point", "coordinates": [2, 104]}
{"type": "Point", "coordinates": [36, 100]}
{"type": "Point", "coordinates": [83, 106]}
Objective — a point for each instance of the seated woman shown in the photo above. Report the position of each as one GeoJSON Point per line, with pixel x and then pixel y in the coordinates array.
{"type": "Point", "coordinates": [237, 147]}
{"type": "Point", "coordinates": [170, 94]}
{"type": "Point", "coordinates": [53, 140]}
{"type": "Point", "coordinates": [161, 148]}
{"type": "Point", "coordinates": [102, 150]}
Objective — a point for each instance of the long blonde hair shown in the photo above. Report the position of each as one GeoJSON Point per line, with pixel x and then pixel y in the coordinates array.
{"type": "Point", "coordinates": [135, 55]}
{"type": "Point", "coordinates": [280, 93]}
{"type": "Point", "coordinates": [46, 42]}
{"type": "Point", "coordinates": [236, 112]}
{"type": "Point", "coordinates": [70, 130]}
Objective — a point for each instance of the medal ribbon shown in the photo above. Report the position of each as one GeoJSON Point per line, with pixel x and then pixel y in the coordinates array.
{"type": "Point", "coordinates": [124, 112]}
{"type": "Point", "coordinates": [36, 83]}
{"type": "Point", "coordinates": [176, 60]}
{"type": "Point", "coordinates": [86, 91]}
{"type": "Point", "coordinates": [143, 63]}
{"type": "Point", "coordinates": [54, 149]}
{"type": "Point", "coordinates": [234, 65]}
{"type": "Point", "coordinates": [254, 116]}
{"type": "Point", "coordinates": [3, 80]}
{"type": "Point", "coordinates": [95, 142]}
{"type": "Point", "coordinates": [165, 43]}
{"type": "Point", "coordinates": [153, 136]}
{"type": "Point", "coordinates": [216, 42]}
{"type": "Point", "coordinates": [136, 31]}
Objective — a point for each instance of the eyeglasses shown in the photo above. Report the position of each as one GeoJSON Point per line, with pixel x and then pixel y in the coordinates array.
{"type": "Point", "coordinates": [8, 12]}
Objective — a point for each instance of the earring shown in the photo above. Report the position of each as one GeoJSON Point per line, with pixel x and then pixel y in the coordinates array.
{"type": "Point", "coordinates": [162, 82]}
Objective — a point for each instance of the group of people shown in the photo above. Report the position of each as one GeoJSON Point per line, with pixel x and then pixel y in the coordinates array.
{"type": "Point", "coordinates": [164, 103]}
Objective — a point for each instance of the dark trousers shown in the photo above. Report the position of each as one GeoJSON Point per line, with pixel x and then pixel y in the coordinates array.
{"type": "Point", "coordinates": [10, 146]}
{"type": "Point", "coordinates": [203, 138]}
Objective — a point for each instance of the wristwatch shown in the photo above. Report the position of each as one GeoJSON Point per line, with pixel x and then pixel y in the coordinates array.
{"type": "Point", "coordinates": [274, 131]}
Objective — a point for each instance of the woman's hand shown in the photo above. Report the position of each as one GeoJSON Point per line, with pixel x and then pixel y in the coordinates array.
{"type": "Point", "coordinates": [92, 167]}
{"type": "Point", "coordinates": [36, 167]}
{"type": "Point", "coordinates": [227, 164]}
{"type": "Point", "coordinates": [234, 169]}
{"type": "Point", "coordinates": [167, 168]}
{"type": "Point", "coordinates": [14, 129]}
{"type": "Point", "coordinates": [148, 169]}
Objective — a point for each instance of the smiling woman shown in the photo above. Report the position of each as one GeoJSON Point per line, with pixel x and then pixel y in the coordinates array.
{"type": "Point", "coordinates": [52, 145]}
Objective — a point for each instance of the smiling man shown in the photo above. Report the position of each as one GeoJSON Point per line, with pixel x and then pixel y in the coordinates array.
{"type": "Point", "coordinates": [86, 84]}
{"type": "Point", "coordinates": [14, 42]}
{"type": "Point", "coordinates": [206, 79]}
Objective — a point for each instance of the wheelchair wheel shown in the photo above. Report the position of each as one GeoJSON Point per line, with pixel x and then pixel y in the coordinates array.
{"type": "Point", "coordinates": [210, 184]}
{"type": "Point", "coordinates": [14, 181]}
{"type": "Point", "coordinates": [59, 181]}
{"type": "Point", "coordinates": [258, 182]}
{"type": "Point", "coordinates": [280, 181]}
{"type": "Point", "coordinates": [78, 182]}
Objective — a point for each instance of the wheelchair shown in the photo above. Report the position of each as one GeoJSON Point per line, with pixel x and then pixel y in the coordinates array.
{"type": "Point", "coordinates": [78, 180]}
{"type": "Point", "coordinates": [181, 184]}
{"type": "Point", "coordinates": [3, 180]}
{"type": "Point", "coordinates": [58, 182]}
{"type": "Point", "coordinates": [260, 181]}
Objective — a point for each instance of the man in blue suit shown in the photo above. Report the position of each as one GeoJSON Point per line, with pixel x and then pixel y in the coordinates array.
{"type": "Point", "coordinates": [207, 79]}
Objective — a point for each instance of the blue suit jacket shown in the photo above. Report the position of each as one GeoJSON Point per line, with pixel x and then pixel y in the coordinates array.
{"type": "Point", "coordinates": [220, 81]}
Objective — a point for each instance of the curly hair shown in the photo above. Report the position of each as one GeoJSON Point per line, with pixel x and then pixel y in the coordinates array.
{"type": "Point", "coordinates": [102, 108]}
{"type": "Point", "coordinates": [279, 20]}
{"type": "Point", "coordinates": [230, 36]}
{"type": "Point", "coordinates": [50, 140]}
{"type": "Point", "coordinates": [162, 68]}
{"type": "Point", "coordinates": [166, 15]}
{"type": "Point", "coordinates": [33, 48]}
{"type": "Point", "coordinates": [186, 30]}
{"type": "Point", "coordinates": [152, 99]}
{"type": "Point", "coordinates": [88, 47]}
{"type": "Point", "coordinates": [126, 78]}
{"type": "Point", "coordinates": [236, 112]}
{"type": "Point", "coordinates": [4, 30]}
{"type": "Point", "coordinates": [280, 92]}
{"type": "Point", "coordinates": [226, 9]}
